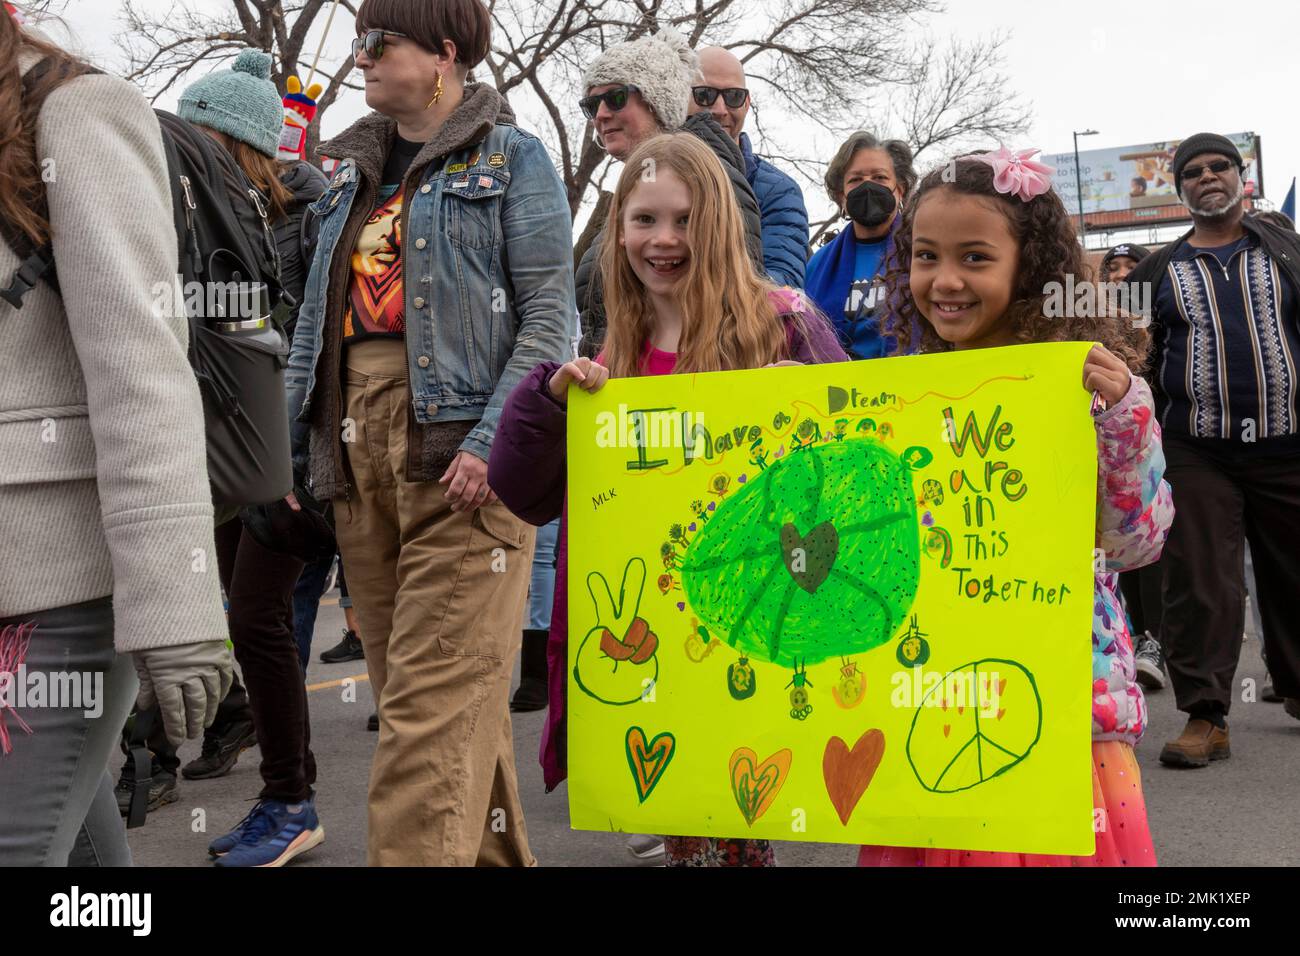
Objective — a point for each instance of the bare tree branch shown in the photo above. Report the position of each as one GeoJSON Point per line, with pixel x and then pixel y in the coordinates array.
{"type": "Point", "coordinates": [165, 48]}
{"type": "Point", "coordinates": [832, 63]}
{"type": "Point", "coordinates": [956, 96]}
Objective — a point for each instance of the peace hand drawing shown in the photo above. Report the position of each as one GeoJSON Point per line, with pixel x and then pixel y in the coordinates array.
{"type": "Point", "coordinates": [616, 663]}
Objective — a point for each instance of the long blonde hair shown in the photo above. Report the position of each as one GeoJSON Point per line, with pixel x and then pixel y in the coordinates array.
{"type": "Point", "coordinates": [729, 321]}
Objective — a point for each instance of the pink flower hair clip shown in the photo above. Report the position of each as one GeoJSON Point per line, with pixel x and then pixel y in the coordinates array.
{"type": "Point", "coordinates": [1018, 175]}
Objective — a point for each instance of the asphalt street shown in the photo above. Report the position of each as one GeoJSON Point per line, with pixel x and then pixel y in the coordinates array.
{"type": "Point", "coordinates": [1237, 812]}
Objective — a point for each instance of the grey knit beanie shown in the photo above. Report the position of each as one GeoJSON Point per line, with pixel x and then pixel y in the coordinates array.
{"type": "Point", "coordinates": [241, 101]}
{"type": "Point", "coordinates": [661, 65]}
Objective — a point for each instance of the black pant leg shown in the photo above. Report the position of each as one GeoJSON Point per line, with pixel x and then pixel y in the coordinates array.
{"type": "Point", "coordinates": [1151, 581]}
{"type": "Point", "coordinates": [261, 626]}
{"type": "Point", "coordinates": [1272, 494]}
{"type": "Point", "coordinates": [1204, 596]}
{"type": "Point", "coordinates": [1130, 585]}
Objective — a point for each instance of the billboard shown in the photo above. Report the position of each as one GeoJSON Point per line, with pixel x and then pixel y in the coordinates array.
{"type": "Point", "coordinates": [1135, 177]}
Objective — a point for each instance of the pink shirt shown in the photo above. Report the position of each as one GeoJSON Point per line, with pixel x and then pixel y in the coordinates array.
{"type": "Point", "coordinates": [654, 361]}
{"type": "Point", "coordinates": [657, 362]}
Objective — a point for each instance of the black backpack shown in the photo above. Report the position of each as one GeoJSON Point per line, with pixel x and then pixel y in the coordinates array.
{"type": "Point", "coordinates": [229, 273]}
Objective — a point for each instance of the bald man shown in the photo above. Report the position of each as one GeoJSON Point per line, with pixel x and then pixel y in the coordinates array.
{"type": "Point", "coordinates": [721, 91]}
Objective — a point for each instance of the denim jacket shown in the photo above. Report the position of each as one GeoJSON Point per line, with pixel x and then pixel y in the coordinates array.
{"type": "Point", "coordinates": [487, 267]}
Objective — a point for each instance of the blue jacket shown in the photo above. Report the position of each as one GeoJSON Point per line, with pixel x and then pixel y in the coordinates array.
{"type": "Point", "coordinates": [784, 218]}
{"type": "Point", "coordinates": [831, 273]}
{"type": "Point", "coordinates": [488, 289]}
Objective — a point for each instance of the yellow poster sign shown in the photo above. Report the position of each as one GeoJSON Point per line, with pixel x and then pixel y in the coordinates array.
{"type": "Point", "coordinates": [846, 603]}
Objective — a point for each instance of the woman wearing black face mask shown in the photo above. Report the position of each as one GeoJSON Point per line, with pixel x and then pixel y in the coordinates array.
{"type": "Point", "coordinates": [868, 180]}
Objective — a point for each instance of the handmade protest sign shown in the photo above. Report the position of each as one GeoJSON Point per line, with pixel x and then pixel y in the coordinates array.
{"type": "Point", "coordinates": [846, 603]}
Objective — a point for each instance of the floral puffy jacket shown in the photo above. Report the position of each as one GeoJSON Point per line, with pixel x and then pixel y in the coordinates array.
{"type": "Point", "coordinates": [1134, 512]}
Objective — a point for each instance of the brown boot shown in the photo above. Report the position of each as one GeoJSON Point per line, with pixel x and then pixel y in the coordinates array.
{"type": "Point", "coordinates": [1200, 743]}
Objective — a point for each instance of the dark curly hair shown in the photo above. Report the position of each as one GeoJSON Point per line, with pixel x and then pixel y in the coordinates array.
{"type": "Point", "coordinates": [1049, 252]}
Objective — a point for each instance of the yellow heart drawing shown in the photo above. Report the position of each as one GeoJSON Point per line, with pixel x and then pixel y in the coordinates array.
{"type": "Point", "coordinates": [755, 785]}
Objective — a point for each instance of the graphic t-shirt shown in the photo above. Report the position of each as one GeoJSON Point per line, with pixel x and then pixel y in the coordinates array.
{"type": "Point", "coordinates": [376, 301]}
{"type": "Point", "coordinates": [855, 316]}
{"type": "Point", "coordinates": [866, 265]}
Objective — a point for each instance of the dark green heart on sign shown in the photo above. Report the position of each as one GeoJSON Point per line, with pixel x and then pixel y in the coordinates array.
{"type": "Point", "coordinates": [809, 558]}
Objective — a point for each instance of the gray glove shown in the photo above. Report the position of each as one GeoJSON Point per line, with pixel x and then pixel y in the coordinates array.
{"type": "Point", "coordinates": [187, 682]}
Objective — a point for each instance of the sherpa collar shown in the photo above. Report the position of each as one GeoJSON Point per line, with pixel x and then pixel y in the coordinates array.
{"type": "Point", "coordinates": [368, 141]}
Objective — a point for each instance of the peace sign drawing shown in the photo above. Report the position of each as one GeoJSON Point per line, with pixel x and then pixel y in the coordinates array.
{"type": "Point", "coordinates": [617, 662]}
{"type": "Point", "coordinates": [981, 720]}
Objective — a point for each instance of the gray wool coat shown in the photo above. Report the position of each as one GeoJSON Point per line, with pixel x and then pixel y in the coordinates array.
{"type": "Point", "coordinates": [103, 472]}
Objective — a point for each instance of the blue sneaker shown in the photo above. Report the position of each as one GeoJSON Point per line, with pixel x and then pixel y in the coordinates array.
{"type": "Point", "coordinates": [227, 842]}
{"type": "Point", "coordinates": [273, 834]}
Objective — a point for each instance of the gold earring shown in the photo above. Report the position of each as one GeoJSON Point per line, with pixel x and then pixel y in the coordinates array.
{"type": "Point", "coordinates": [437, 92]}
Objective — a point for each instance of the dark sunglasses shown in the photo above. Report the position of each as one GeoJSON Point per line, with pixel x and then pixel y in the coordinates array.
{"type": "Point", "coordinates": [1216, 167]}
{"type": "Point", "coordinates": [615, 99]}
{"type": "Point", "coordinates": [373, 43]}
{"type": "Point", "coordinates": [734, 96]}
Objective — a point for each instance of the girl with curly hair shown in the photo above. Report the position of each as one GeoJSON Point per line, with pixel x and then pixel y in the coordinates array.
{"type": "Point", "coordinates": [981, 245]}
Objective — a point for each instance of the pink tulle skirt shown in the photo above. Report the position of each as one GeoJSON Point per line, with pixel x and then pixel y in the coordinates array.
{"type": "Point", "coordinates": [1123, 837]}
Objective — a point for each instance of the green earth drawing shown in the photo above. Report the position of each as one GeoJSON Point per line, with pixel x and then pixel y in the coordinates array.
{"type": "Point", "coordinates": [818, 558]}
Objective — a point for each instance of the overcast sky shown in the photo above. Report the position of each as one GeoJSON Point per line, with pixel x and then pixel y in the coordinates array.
{"type": "Point", "coordinates": [1136, 72]}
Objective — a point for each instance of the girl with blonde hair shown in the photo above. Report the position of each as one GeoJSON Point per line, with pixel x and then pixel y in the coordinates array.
{"type": "Point", "coordinates": [681, 295]}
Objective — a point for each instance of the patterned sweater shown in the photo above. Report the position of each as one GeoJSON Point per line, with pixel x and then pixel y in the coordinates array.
{"type": "Point", "coordinates": [1134, 512]}
{"type": "Point", "coordinates": [1228, 343]}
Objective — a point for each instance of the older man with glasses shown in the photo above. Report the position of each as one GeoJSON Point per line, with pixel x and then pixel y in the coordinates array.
{"type": "Point", "coordinates": [1226, 318]}
{"type": "Point", "coordinates": [722, 93]}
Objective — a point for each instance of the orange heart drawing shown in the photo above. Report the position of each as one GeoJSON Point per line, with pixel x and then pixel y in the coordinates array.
{"type": "Point", "coordinates": [848, 772]}
{"type": "Point", "coordinates": [756, 785]}
{"type": "Point", "coordinates": [648, 760]}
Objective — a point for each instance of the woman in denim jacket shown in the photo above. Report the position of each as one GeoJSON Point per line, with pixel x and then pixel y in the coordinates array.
{"type": "Point", "coordinates": [442, 276]}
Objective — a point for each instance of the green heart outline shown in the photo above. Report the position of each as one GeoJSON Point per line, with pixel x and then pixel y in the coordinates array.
{"type": "Point", "coordinates": [652, 780]}
{"type": "Point", "coordinates": [749, 808]}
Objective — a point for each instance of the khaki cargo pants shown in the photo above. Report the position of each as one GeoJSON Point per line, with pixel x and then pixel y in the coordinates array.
{"type": "Point", "coordinates": [440, 598]}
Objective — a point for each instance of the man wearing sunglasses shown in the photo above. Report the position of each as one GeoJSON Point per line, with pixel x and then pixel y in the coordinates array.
{"type": "Point", "coordinates": [721, 93]}
{"type": "Point", "coordinates": [636, 90]}
{"type": "Point", "coordinates": [1226, 364]}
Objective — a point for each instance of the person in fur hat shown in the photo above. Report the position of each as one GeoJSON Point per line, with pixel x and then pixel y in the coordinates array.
{"type": "Point", "coordinates": [636, 90]}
